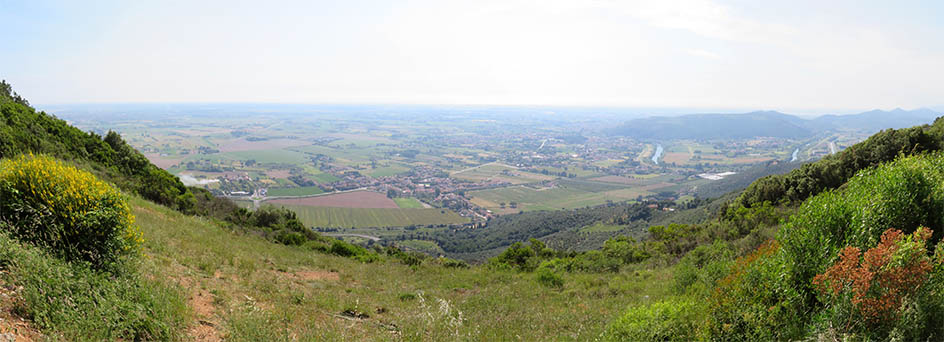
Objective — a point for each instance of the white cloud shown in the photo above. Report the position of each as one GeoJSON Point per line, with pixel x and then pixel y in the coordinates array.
{"type": "Point", "coordinates": [703, 53]}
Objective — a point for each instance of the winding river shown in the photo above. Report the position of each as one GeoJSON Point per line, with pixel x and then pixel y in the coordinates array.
{"type": "Point", "coordinates": [655, 157]}
{"type": "Point", "coordinates": [795, 154]}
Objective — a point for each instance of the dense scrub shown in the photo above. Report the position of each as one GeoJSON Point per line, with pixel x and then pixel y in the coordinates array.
{"type": "Point", "coordinates": [813, 281]}
{"type": "Point", "coordinates": [71, 212]}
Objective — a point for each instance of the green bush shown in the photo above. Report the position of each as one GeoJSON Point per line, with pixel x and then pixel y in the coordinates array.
{"type": "Point", "coordinates": [703, 267]}
{"type": "Point", "coordinates": [673, 319]}
{"type": "Point", "coordinates": [548, 274]}
{"type": "Point", "coordinates": [358, 253]}
{"type": "Point", "coordinates": [518, 256]}
{"type": "Point", "coordinates": [752, 303]}
{"type": "Point", "coordinates": [452, 263]}
{"type": "Point", "coordinates": [595, 261]}
{"type": "Point", "coordinates": [77, 216]}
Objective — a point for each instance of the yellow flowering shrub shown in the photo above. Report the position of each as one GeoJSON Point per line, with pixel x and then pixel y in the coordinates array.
{"type": "Point", "coordinates": [71, 212]}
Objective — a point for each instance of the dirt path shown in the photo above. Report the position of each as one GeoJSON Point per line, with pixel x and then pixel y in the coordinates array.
{"type": "Point", "coordinates": [205, 327]}
{"type": "Point", "coordinates": [354, 235]}
{"type": "Point", "coordinates": [12, 326]}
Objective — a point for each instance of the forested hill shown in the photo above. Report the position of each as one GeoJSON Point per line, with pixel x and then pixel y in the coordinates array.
{"type": "Point", "coordinates": [716, 126]}
{"type": "Point", "coordinates": [767, 124]}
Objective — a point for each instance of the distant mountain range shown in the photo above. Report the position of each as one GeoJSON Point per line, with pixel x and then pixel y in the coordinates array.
{"type": "Point", "coordinates": [768, 124]}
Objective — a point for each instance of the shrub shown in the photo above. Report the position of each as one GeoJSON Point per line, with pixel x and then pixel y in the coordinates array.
{"type": "Point", "coordinates": [704, 266]}
{"type": "Point", "coordinates": [518, 255]}
{"type": "Point", "coordinates": [452, 263]}
{"type": "Point", "coordinates": [344, 249]}
{"type": "Point", "coordinates": [752, 304]}
{"type": "Point", "coordinates": [626, 249]}
{"type": "Point", "coordinates": [71, 212]}
{"type": "Point", "coordinates": [866, 291]}
{"type": "Point", "coordinates": [596, 261]}
{"type": "Point", "coordinates": [674, 319]}
{"type": "Point", "coordinates": [287, 237]}
{"type": "Point", "coordinates": [358, 253]}
{"type": "Point", "coordinates": [548, 274]}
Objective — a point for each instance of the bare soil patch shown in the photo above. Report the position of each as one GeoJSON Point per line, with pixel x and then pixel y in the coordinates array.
{"type": "Point", "coordinates": [357, 199]}
{"type": "Point", "coordinates": [280, 173]}
{"type": "Point", "coordinates": [317, 275]}
{"type": "Point", "coordinates": [162, 162]}
{"type": "Point", "coordinates": [676, 157]}
{"type": "Point", "coordinates": [10, 323]}
{"type": "Point", "coordinates": [204, 329]}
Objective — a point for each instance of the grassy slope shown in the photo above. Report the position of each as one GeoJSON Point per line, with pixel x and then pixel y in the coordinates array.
{"type": "Point", "coordinates": [251, 289]}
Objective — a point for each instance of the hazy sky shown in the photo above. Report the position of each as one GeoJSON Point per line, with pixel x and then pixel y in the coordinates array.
{"type": "Point", "coordinates": [788, 55]}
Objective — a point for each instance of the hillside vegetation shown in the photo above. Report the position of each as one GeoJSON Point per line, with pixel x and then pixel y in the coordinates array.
{"type": "Point", "coordinates": [813, 281]}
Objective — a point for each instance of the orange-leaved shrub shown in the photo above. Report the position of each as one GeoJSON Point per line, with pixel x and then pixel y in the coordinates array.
{"type": "Point", "coordinates": [72, 213]}
{"type": "Point", "coordinates": [869, 289]}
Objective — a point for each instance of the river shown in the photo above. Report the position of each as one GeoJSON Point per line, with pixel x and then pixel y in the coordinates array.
{"type": "Point", "coordinates": [655, 157]}
{"type": "Point", "coordinates": [795, 155]}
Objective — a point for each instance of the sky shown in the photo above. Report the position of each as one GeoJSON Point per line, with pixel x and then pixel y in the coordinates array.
{"type": "Point", "coordinates": [799, 56]}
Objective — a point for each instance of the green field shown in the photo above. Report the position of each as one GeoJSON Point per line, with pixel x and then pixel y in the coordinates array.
{"type": "Point", "coordinates": [567, 195]}
{"type": "Point", "coordinates": [297, 191]}
{"type": "Point", "coordinates": [408, 203]}
{"type": "Point", "coordinates": [318, 175]}
{"type": "Point", "coordinates": [347, 156]}
{"type": "Point", "coordinates": [372, 217]}
{"type": "Point", "coordinates": [267, 156]}
{"type": "Point", "coordinates": [499, 171]}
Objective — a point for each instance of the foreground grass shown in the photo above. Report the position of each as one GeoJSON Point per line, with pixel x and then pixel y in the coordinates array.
{"type": "Point", "coordinates": [247, 289]}
{"type": "Point", "coordinates": [72, 302]}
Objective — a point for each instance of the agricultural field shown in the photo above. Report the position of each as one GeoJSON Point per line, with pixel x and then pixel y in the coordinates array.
{"type": "Point", "coordinates": [564, 195]}
{"type": "Point", "coordinates": [500, 172]}
{"type": "Point", "coordinates": [297, 191]}
{"type": "Point", "coordinates": [329, 217]}
{"type": "Point", "coordinates": [408, 203]}
{"type": "Point", "coordinates": [354, 199]}
{"type": "Point", "coordinates": [463, 162]}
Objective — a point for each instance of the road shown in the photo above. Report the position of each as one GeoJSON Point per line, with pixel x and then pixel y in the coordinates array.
{"type": "Point", "coordinates": [354, 235]}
